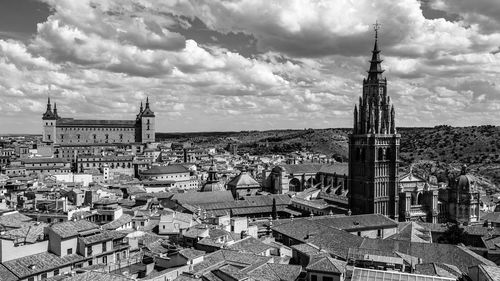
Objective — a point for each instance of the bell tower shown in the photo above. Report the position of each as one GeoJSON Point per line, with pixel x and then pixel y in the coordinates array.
{"type": "Point", "coordinates": [374, 146]}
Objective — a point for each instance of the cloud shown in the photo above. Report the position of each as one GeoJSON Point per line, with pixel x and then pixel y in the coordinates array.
{"type": "Point", "coordinates": [279, 64]}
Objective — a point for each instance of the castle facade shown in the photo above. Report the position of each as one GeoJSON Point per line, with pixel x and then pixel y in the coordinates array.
{"type": "Point", "coordinates": [65, 131]}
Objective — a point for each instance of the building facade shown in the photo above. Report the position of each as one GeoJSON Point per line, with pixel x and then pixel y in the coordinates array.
{"type": "Point", "coordinates": [58, 130]}
{"type": "Point", "coordinates": [374, 147]}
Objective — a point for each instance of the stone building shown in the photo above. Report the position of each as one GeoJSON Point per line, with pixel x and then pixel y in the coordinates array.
{"type": "Point", "coordinates": [418, 199]}
{"type": "Point", "coordinates": [374, 147]}
{"type": "Point", "coordinates": [58, 130]}
{"type": "Point", "coordinates": [460, 200]}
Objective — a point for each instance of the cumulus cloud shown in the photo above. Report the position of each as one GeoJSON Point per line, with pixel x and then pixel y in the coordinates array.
{"type": "Point", "coordinates": [251, 64]}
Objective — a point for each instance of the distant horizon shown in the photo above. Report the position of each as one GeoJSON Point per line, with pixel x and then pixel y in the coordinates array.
{"type": "Point", "coordinates": [334, 128]}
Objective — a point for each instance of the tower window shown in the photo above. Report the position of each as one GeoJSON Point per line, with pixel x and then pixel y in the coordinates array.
{"type": "Point", "coordinates": [48, 137]}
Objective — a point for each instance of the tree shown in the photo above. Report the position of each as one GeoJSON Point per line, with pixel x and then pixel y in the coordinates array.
{"type": "Point", "coordinates": [274, 213]}
{"type": "Point", "coordinates": [454, 234]}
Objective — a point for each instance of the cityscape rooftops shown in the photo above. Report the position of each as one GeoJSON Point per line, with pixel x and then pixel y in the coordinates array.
{"type": "Point", "coordinates": [72, 228]}
{"type": "Point", "coordinates": [169, 169]}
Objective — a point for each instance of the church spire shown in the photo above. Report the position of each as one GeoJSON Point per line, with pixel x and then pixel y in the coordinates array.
{"type": "Point", "coordinates": [48, 115]}
{"type": "Point", "coordinates": [375, 71]}
{"type": "Point", "coordinates": [147, 102]}
{"type": "Point", "coordinates": [55, 111]}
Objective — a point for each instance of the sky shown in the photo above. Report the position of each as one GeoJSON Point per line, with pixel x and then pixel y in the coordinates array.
{"type": "Point", "coordinates": [218, 65]}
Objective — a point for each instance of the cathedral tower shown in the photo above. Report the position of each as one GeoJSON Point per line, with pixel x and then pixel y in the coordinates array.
{"type": "Point", "coordinates": [374, 147]}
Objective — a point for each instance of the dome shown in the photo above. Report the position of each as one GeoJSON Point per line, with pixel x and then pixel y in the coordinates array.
{"type": "Point", "coordinates": [465, 181]}
{"type": "Point", "coordinates": [212, 186]}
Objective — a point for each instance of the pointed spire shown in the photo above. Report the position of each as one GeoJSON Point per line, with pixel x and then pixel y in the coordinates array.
{"type": "Point", "coordinates": [355, 119]}
{"type": "Point", "coordinates": [55, 111]}
{"type": "Point", "coordinates": [147, 102]}
{"type": "Point", "coordinates": [375, 71]}
{"type": "Point", "coordinates": [393, 121]}
{"type": "Point", "coordinates": [49, 106]}
{"type": "Point", "coordinates": [141, 109]}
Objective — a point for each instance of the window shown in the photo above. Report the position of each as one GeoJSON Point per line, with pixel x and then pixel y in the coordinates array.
{"type": "Point", "coordinates": [91, 262]}
{"type": "Point", "coordinates": [104, 248]}
{"type": "Point", "coordinates": [69, 251]}
{"type": "Point", "coordinates": [314, 277]}
{"type": "Point", "coordinates": [89, 250]}
{"type": "Point", "coordinates": [325, 278]}
{"type": "Point", "coordinates": [62, 137]}
{"type": "Point", "coordinates": [359, 233]}
{"type": "Point", "coordinates": [31, 279]}
{"type": "Point", "coordinates": [105, 259]}
{"type": "Point", "coordinates": [48, 137]}
{"type": "Point", "coordinates": [56, 272]}
{"type": "Point", "coordinates": [44, 275]}
{"type": "Point", "coordinates": [379, 233]}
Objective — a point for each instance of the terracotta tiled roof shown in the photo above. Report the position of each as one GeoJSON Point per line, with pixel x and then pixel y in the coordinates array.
{"type": "Point", "coordinates": [34, 264]}
{"type": "Point", "coordinates": [72, 228]}
{"type": "Point", "coordinates": [326, 264]}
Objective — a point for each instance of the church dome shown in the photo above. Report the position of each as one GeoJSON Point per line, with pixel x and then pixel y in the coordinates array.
{"type": "Point", "coordinates": [465, 181]}
{"type": "Point", "coordinates": [213, 186]}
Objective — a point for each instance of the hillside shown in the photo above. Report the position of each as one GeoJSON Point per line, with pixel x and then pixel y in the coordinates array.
{"type": "Point", "coordinates": [438, 151]}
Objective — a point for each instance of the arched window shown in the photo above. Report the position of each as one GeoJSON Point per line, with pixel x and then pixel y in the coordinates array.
{"type": "Point", "coordinates": [388, 154]}
{"type": "Point", "coordinates": [380, 155]}
{"type": "Point", "coordinates": [419, 199]}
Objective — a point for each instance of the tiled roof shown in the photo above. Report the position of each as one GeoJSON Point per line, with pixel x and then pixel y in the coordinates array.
{"type": "Point", "coordinates": [34, 264]}
{"type": "Point", "coordinates": [353, 223]}
{"type": "Point", "coordinates": [219, 258]}
{"type": "Point", "coordinates": [493, 272]}
{"type": "Point", "coordinates": [70, 122]}
{"type": "Point", "coordinates": [250, 245]}
{"type": "Point", "coordinates": [363, 274]}
{"type": "Point", "coordinates": [458, 256]}
{"type": "Point", "coordinates": [97, 276]}
{"type": "Point", "coordinates": [101, 237]}
{"type": "Point", "coordinates": [6, 275]}
{"type": "Point", "coordinates": [169, 169]}
{"type": "Point", "coordinates": [326, 264]}
{"type": "Point", "coordinates": [244, 180]}
{"type": "Point", "coordinates": [276, 272]}
{"type": "Point", "coordinates": [124, 219]}
{"type": "Point", "coordinates": [336, 242]}
{"type": "Point", "coordinates": [14, 220]}
{"type": "Point", "coordinates": [72, 228]}
{"type": "Point", "coordinates": [194, 198]}
{"type": "Point", "coordinates": [438, 269]}
{"type": "Point", "coordinates": [28, 233]}
{"type": "Point", "coordinates": [411, 231]}
{"type": "Point", "coordinates": [190, 253]}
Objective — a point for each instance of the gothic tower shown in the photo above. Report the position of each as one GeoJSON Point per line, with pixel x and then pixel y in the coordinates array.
{"type": "Point", "coordinates": [374, 147]}
{"type": "Point", "coordinates": [49, 119]}
{"type": "Point", "coordinates": [146, 124]}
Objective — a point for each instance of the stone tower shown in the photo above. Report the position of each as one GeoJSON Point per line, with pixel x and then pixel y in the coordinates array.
{"type": "Point", "coordinates": [146, 122]}
{"type": "Point", "coordinates": [49, 119]}
{"type": "Point", "coordinates": [374, 147]}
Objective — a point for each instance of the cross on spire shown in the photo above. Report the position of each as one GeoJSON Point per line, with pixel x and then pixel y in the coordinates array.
{"type": "Point", "coordinates": [376, 27]}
